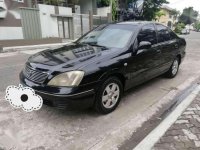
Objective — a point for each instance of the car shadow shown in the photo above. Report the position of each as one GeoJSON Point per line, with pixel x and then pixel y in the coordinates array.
{"type": "Point", "coordinates": [90, 112]}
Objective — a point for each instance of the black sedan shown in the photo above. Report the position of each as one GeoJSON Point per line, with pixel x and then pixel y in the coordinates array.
{"type": "Point", "coordinates": [97, 68]}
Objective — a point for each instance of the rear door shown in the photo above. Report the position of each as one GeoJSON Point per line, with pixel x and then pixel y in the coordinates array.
{"type": "Point", "coordinates": [153, 55]}
{"type": "Point", "coordinates": [166, 43]}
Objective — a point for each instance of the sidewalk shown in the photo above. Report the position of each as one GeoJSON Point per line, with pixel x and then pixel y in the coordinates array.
{"type": "Point", "coordinates": [20, 45]}
{"type": "Point", "coordinates": [184, 134]}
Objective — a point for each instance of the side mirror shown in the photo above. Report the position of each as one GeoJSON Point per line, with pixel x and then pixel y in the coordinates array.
{"type": "Point", "coordinates": [144, 45]}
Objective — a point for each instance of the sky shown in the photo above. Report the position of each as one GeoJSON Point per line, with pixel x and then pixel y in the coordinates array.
{"type": "Point", "coordinates": [181, 4]}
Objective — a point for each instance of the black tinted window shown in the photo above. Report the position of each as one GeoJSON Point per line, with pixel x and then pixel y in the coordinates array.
{"type": "Point", "coordinates": [163, 33]}
{"type": "Point", "coordinates": [148, 33]}
{"type": "Point", "coordinates": [172, 35]}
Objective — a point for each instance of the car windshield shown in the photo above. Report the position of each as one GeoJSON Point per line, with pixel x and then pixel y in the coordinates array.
{"type": "Point", "coordinates": [112, 36]}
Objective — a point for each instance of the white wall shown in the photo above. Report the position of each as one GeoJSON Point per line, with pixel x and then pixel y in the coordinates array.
{"type": "Point", "coordinates": [103, 11]}
{"type": "Point", "coordinates": [4, 12]}
{"type": "Point", "coordinates": [49, 24]}
{"type": "Point", "coordinates": [77, 9]}
{"type": "Point", "coordinates": [65, 11]}
{"type": "Point", "coordinates": [9, 33]}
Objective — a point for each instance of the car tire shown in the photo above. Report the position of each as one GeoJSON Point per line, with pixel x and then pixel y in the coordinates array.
{"type": "Point", "coordinates": [173, 71]}
{"type": "Point", "coordinates": [108, 96]}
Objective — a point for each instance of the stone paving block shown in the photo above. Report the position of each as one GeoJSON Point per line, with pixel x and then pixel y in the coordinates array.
{"type": "Point", "coordinates": [183, 138]}
{"type": "Point", "coordinates": [195, 123]}
{"type": "Point", "coordinates": [190, 135]}
{"type": "Point", "coordinates": [176, 138]}
{"type": "Point", "coordinates": [179, 126]}
{"type": "Point", "coordinates": [167, 139]}
{"type": "Point", "coordinates": [191, 109]}
{"type": "Point", "coordinates": [174, 132]}
{"type": "Point", "coordinates": [185, 117]}
{"type": "Point", "coordinates": [195, 130]}
{"type": "Point", "coordinates": [179, 145]}
{"type": "Point", "coordinates": [184, 134]}
{"type": "Point", "coordinates": [181, 121]}
{"type": "Point", "coordinates": [188, 113]}
{"type": "Point", "coordinates": [197, 143]}
{"type": "Point", "coordinates": [198, 106]}
{"type": "Point", "coordinates": [197, 117]}
{"type": "Point", "coordinates": [197, 112]}
{"type": "Point", "coordinates": [189, 125]}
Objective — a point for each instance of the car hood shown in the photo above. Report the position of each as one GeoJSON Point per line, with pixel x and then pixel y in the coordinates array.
{"type": "Point", "coordinates": [68, 56]}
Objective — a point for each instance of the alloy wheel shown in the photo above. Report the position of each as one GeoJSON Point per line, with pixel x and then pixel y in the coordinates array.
{"type": "Point", "coordinates": [175, 67]}
{"type": "Point", "coordinates": [110, 95]}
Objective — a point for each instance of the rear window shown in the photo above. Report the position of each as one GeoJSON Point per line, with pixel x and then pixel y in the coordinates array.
{"type": "Point", "coordinates": [172, 34]}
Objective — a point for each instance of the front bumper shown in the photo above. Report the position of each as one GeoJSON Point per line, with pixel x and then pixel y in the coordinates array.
{"type": "Point", "coordinates": [63, 97]}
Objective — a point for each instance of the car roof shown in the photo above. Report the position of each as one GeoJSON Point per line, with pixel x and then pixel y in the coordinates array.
{"type": "Point", "coordinates": [135, 22]}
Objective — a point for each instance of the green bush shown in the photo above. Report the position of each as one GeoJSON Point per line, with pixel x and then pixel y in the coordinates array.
{"type": "Point", "coordinates": [197, 25]}
{"type": "Point", "coordinates": [179, 27]}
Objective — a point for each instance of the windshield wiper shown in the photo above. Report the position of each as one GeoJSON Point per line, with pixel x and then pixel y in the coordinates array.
{"type": "Point", "coordinates": [95, 44]}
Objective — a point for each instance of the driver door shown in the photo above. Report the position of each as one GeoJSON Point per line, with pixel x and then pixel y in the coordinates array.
{"type": "Point", "coordinates": [144, 64]}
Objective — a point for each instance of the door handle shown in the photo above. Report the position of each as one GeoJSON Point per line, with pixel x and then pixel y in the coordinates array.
{"type": "Point", "coordinates": [158, 51]}
{"type": "Point", "coordinates": [176, 46]}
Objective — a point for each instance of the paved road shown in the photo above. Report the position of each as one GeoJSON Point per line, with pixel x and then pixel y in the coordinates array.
{"type": "Point", "coordinates": [50, 128]}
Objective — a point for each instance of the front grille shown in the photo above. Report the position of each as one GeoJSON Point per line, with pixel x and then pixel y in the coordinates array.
{"type": "Point", "coordinates": [35, 75]}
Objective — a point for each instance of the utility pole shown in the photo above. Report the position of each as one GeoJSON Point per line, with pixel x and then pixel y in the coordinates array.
{"type": "Point", "coordinates": [111, 8]}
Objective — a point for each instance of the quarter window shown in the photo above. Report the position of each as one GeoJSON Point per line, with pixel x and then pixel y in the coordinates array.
{"type": "Point", "coordinates": [148, 33]}
{"type": "Point", "coordinates": [172, 34]}
{"type": "Point", "coordinates": [163, 33]}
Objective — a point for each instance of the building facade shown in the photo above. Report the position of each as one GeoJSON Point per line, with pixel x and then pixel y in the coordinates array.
{"type": "Point", "coordinates": [35, 19]}
{"type": "Point", "coordinates": [167, 19]}
{"type": "Point", "coordinates": [10, 19]}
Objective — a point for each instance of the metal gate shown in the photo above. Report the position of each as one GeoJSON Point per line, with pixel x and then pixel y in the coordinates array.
{"type": "Point", "coordinates": [31, 26]}
{"type": "Point", "coordinates": [64, 27]}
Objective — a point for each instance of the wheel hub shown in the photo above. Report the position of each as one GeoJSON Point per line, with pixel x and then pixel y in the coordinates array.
{"type": "Point", "coordinates": [110, 95]}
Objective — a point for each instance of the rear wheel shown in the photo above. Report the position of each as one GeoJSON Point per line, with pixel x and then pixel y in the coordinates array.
{"type": "Point", "coordinates": [108, 96]}
{"type": "Point", "coordinates": [173, 71]}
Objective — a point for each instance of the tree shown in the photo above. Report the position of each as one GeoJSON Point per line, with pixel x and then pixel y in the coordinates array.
{"type": "Point", "coordinates": [197, 25]}
{"type": "Point", "coordinates": [103, 3]}
{"type": "Point", "coordinates": [188, 16]}
{"type": "Point", "coordinates": [53, 2]}
{"type": "Point", "coordinates": [151, 7]}
{"type": "Point", "coordinates": [175, 13]}
{"type": "Point", "coordinates": [114, 10]}
{"type": "Point", "coordinates": [159, 14]}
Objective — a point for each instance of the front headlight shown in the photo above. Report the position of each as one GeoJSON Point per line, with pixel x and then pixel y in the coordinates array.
{"type": "Point", "coordinates": [72, 78]}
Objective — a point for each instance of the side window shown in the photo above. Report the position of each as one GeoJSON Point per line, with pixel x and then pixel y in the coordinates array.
{"type": "Point", "coordinates": [163, 33]}
{"type": "Point", "coordinates": [172, 34]}
{"type": "Point", "coordinates": [148, 33]}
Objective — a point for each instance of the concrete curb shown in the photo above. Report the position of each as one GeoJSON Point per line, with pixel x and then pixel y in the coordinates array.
{"type": "Point", "coordinates": [32, 47]}
{"type": "Point", "coordinates": [152, 138]}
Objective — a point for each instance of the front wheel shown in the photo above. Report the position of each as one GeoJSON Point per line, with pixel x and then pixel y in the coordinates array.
{"type": "Point", "coordinates": [173, 71]}
{"type": "Point", "coordinates": [108, 96]}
